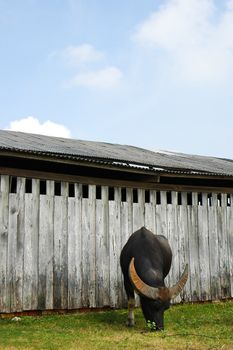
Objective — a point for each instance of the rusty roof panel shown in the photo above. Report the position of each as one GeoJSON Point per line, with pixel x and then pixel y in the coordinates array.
{"type": "Point", "coordinates": [114, 154]}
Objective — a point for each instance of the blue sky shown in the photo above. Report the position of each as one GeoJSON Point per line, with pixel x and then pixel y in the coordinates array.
{"type": "Point", "coordinates": [154, 74]}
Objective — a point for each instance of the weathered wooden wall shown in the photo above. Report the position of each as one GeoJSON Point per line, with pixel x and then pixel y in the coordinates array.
{"type": "Point", "coordinates": [60, 246]}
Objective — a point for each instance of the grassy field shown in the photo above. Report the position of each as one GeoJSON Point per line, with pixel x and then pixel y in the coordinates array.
{"type": "Point", "coordinates": [197, 326]}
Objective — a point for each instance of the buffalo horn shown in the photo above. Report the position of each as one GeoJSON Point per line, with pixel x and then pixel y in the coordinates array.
{"type": "Point", "coordinates": [140, 286]}
{"type": "Point", "coordinates": [177, 288]}
{"type": "Point", "coordinates": [153, 292]}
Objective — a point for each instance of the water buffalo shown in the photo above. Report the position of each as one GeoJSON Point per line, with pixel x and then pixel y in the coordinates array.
{"type": "Point", "coordinates": [145, 262]}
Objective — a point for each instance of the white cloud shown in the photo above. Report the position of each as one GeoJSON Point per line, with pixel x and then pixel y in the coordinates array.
{"type": "Point", "coordinates": [194, 38]}
{"type": "Point", "coordinates": [82, 54]}
{"type": "Point", "coordinates": [83, 59]}
{"type": "Point", "coordinates": [179, 23]}
{"type": "Point", "coordinates": [104, 78]}
{"type": "Point", "coordinates": [32, 125]}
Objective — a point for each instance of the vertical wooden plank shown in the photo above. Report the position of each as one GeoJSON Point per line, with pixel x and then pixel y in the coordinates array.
{"type": "Point", "coordinates": [173, 239]}
{"type": "Point", "coordinates": [223, 248]}
{"type": "Point", "coordinates": [139, 211]}
{"type": "Point", "coordinates": [130, 222]}
{"type": "Point", "coordinates": [11, 254]}
{"type": "Point", "coordinates": [161, 215]}
{"type": "Point", "coordinates": [125, 230]}
{"type": "Point", "coordinates": [15, 246]}
{"type": "Point", "coordinates": [167, 212]}
{"type": "Point", "coordinates": [204, 249]}
{"type": "Point", "coordinates": [92, 258]}
{"type": "Point", "coordinates": [184, 244]}
{"type": "Point", "coordinates": [138, 216]}
{"type": "Point", "coordinates": [114, 250]}
{"type": "Point", "coordinates": [153, 202]}
{"type": "Point", "coordinates": [194, 248]}
{"type": "Point", "coordinates": [230, 240]}
{"type": "Point", "coordinates": [20, 242]}
{"type": "Point", "coordinates": [89, 244]}
{"type": "Point", "coordinates": [30, 278]}
{"type": "Point", "coordinates": [46, 232]}
{"type": "Point", "coordinates": [85, 251]}
{"type": "Point", "coordinates": [119, 240]}
{"type": "Point", "coordinates": [102, 250]}
{"type": "Point", "coordinates": [176, 272]}
{"type": "Point", "coordinates": [129, 195]}
{"type": "Point", "coordinates": [125, 233]}
{"type": "Point", "coordinates": [4, 213]}
{"type": "Point", "coordinates": [150, 212]}
{"type": "Point", "coordinates": [75, 249]}
{"type": "Point", "coordinates": [175, 235]}
{"type": "Point", "coordinates": [60, 268]}
{"type": "Point", "coordinates": [64, 250]}
{"type": "Point", "coordinates": [214, 248]}
{"type": "Point", "coordinates": [35, 242]}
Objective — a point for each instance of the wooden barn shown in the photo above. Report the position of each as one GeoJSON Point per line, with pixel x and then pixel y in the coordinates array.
{"type": "Point", "coordinates": [68, 206]}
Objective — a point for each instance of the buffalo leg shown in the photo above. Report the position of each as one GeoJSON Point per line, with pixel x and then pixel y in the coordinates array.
{"type": "Point", "coordinates": [130, 320]}
{"type": "Point", "coordinates": [131, 301]}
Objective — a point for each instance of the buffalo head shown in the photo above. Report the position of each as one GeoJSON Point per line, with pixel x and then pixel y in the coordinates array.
{"type": "Point", "coordinates": [155, 300]}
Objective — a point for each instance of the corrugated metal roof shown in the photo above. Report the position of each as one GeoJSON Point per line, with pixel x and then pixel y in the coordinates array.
{"type": "Point", "coordinates": [114, 154]}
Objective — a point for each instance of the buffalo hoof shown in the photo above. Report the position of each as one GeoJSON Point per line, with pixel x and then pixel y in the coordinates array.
{"type": "Point", "coordinates": [130, 323]}
{"type": "Point", "coordinates": [159, 329]}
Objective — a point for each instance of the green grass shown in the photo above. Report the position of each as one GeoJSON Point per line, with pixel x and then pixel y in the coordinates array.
{"type": "Point", "coordinates": [190, 326]}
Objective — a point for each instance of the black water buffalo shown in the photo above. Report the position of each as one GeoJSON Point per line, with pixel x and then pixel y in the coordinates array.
{"type": "Point", "coordinates": [145, 262]}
